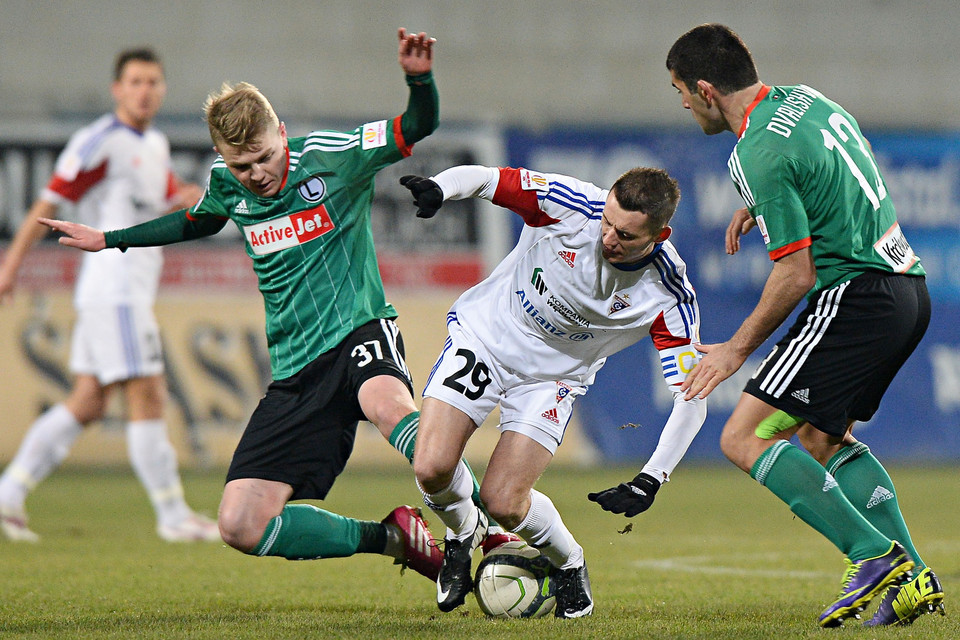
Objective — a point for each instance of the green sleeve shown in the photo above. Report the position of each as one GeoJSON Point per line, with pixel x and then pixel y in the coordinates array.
{"type": "Point", "coordinates": [423, 109]}
{"type": "Point", "coordinates": [173, 227]}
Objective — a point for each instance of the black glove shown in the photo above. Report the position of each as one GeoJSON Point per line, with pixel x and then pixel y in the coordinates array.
{"type": "Point", "coordinates": [628, 498]}
{"type": "Point", "coordinates": [427, 195]}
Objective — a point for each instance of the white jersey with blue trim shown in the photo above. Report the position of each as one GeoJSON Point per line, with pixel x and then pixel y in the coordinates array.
{"type": "Point", "coordinates": [116, 177]}
{"type": "Point", "coordinates": [554, 308]}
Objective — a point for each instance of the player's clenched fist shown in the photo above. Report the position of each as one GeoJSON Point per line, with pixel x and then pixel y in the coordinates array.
{"type": "Point", "coordinates": [427, 195]}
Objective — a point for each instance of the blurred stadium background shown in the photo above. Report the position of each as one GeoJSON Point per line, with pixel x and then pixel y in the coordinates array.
{"type": "Point", "coordinates": [557, 86]}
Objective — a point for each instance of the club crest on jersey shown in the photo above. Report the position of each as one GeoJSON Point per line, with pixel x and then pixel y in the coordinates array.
{"type": "Point", "coordinates": [537, 281]}
{"type": "Point", "coordinates": [312, 189]}
{"type": "Point", "coordinates": [532, 181]}
{"type": "Point", "coordinates": [373, 135]}
{"type": "Point", "coordinates": [620, 302]}
{"type": "Point", "coordinates": [288, 231]}
{"type": "Point", "coordinates": [568, 257]}
{"type": "Point", "coordinates": [562, 391]}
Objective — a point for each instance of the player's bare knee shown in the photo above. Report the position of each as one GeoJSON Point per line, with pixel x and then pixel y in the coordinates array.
{"type": "Point", "coordinates": [238, 531]}
{"type": "Point", "coordinates": [506, 508]}
{"type": "Point", "coordinates": [432, 475]}
{"type": "Point", "coordinates": [734, 447]}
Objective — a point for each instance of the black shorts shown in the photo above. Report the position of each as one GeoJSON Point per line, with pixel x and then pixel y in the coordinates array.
{"type": "Point", "coordinates": [845, 348]}
{"type": "Point", "coordinates": [302, 431]}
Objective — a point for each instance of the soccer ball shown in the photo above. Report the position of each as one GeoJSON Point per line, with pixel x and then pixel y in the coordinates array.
{"type": "Point", "coordinates": [514, 581]}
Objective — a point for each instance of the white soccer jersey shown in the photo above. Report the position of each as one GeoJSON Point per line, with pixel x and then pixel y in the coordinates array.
{"type": "Point", "coordinates": [554, 308]}
{"type": "Point", "coordinates": [117, 177]}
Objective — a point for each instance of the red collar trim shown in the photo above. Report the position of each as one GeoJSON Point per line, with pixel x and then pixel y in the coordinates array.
{"type": "Point", "coordinates": [764, 90]}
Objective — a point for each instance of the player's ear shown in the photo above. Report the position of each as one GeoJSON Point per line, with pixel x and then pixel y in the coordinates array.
{"type": "Point", "coordinates": [707, 92]}
{"type": "Point", "coordinates": [665, 233]}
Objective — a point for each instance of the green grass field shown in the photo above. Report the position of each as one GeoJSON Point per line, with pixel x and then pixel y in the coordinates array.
{"type": "Point", "coordinates": [716, 557]}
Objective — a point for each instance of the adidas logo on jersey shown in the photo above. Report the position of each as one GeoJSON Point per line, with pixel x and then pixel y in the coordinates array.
{"type": "Point", "coordinates": [803, 395]}
{"type": "Point", "coordinates": [241, 208]}
{"type": "Point", "coordinates": [829, 483]}
{"type": "Point", "coordinates": [551, 415]}
{"type": "Point", "coordinates": [880, 494]}
{"type": "Point", "coordinates": [568, 257]}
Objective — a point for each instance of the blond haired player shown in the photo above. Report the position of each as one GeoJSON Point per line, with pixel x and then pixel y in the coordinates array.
{"type": "Point", "coordinates": [336, 354]}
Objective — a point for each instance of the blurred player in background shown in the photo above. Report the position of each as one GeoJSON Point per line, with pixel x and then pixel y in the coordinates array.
{"type": "Point", "coordinates": [813, 187]}
{"type": "Point", "coordinates": [337, 357]}
{"type": "Point", "coordinates": [592, 273]}
{"type": "Point", "coordinates": [117, 172]}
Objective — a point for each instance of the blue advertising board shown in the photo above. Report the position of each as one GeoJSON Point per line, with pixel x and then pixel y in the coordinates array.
{"type": "Point", "coordinates": [919, 419]}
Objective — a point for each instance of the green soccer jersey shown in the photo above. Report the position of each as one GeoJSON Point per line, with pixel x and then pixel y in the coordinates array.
{"type": "Point", "coordinates": [809, 179]}
{"type": "Point", "coordinates": [312, 243]}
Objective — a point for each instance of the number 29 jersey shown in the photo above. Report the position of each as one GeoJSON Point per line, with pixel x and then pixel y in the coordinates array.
{"type": "Point", "coordinates": [554, 308]}
{"type": "Point", "coordinates": [810, 179]}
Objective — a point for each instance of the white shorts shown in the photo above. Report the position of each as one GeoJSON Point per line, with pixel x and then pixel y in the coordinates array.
{"type": "Point", "coordinates": [116, 343]}
{"type": "Point", "coordinates": [468, 378]}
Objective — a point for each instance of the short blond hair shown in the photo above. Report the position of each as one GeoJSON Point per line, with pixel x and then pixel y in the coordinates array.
{"type": "Point", "coordinates": [238, 115]}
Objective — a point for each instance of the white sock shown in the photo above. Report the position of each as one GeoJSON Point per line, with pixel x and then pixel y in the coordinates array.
{"type": "Point", "coordinates": [155, 462]}
{"type": "Point", "coordinates": [454, 505]}
{"type": "Point", "coordinates": [47, 443]}
{"type": "Point", "coordinates": [543, 528]}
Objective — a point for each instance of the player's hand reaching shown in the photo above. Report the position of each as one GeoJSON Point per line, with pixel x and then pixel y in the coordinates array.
{"type": "Point", "coordinates": [415, 52]}
{"type": "Point", "coordinates": [77, 235]}
{"type": "Point", "coordinates": [628, 498]}
{"type": "Point", "coordinates": [427, 195]}
{"type": "Point", "coordinates": [740, 225]}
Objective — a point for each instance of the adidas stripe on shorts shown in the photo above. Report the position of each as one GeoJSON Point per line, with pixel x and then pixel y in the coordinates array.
{"type": "Point", "coordinates": [839, 357]}
{"type": "Point", "coordinates": [467, 377]}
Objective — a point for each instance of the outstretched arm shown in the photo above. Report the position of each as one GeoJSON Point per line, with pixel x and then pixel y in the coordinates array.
{"type": "Point", "coordinates": [415, 54]}
{"type": "Point", "coordinates": [173, 227]}
{"type": "Point", "coordinates": [455, 183]}
{"type": "Point", "coordinates": [792, 277]}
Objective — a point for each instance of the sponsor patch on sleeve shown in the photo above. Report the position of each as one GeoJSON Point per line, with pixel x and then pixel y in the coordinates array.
{"type": "Point", "coordinates": [533, 181]}
{"type": "Point", "coordinates": [762, 225]}
{"type": "Point", "coordinates": [373, 135]}
{"type": "Point", "coordinates": [895, 250]}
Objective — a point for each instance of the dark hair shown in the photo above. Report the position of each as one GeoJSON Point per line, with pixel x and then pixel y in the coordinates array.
{"type": "Point", "coordinates": [143, 54]}
{"type": "Point", "coordinates": [714, 53]}
{"type": "Point", "coordinates": [650, 191]}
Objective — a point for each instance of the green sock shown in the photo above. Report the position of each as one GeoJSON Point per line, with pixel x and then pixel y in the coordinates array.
{"type": "Point", "coordinates": [816, 498]}
{"type": "Point", "coordinates": [404, 435]}
{"type": "Point", "coordinates": [869, 488]}
{"type": "Point", "coordinates": [404, 438]}
{"type": "Point", "coordinates": [305, 532]}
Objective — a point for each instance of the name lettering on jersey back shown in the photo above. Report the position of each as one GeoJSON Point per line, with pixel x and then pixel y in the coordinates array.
{"type": "Point", "coordinates": [288, 231]}
{"type": "Point", "coordinates": [794, 107]}
{"type": "Point", "coordinates": [895, 250]}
